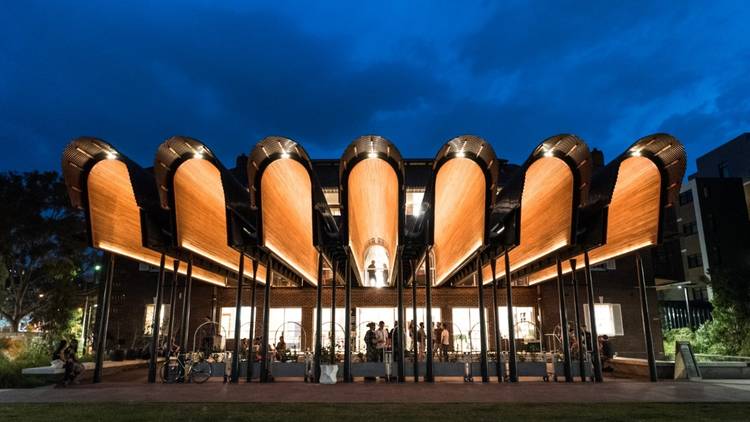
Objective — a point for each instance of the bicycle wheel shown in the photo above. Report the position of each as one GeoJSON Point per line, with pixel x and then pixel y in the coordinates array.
{"type": "Point", "coordinates": [169, 372]}
{"type": "Point", "coordinates": [200, 372]}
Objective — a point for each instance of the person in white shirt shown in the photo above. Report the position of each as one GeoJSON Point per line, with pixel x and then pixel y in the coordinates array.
{"type": "Point", "coordinates": [445, 341]}
{"type": "Point", "coordinates": [381, 339]}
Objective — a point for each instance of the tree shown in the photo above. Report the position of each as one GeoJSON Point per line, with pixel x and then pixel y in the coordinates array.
{"type": "Point", "coordinates": [730, 327]}
{"type": "Point", "coordinates": [42, 249]}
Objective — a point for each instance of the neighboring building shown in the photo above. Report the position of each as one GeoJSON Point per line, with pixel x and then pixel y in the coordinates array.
{"type": "Point", "coordinates": [731, 159]}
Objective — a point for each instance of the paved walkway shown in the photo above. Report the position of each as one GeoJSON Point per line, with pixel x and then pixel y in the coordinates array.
{"type": "Point", "coordinates": [530, 392]}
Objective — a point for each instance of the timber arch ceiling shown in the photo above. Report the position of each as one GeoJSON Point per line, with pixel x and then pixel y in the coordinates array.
{"type": "Point", "coordinates": [633, 191]}
{"type": "Point", "coordinates": [372, 200]}
{"type": "Point", "coordinates": [464, 176]}
{"type": "Point", "coordinates": [551, 206]}
{"type": "Point", "coordinates": [103, 183]}
{"type": "Point", "coordinates": [281, 180]}
{"type": "Point", "coordinates": [194, 186]}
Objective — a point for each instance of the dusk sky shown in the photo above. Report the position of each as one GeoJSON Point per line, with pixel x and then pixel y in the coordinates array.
{"type": "Point", "coordinates": [417, 73]}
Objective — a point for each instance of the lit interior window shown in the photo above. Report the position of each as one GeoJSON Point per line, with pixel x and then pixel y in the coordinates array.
{"type": "Point", "coordinates": [465, 329]}
{"type": "Point", "coordinates": [523, 319]}
{"type": "Point", "coordinates": [147, 329]}
{"type": "Point", "coordinates": [608, 319]}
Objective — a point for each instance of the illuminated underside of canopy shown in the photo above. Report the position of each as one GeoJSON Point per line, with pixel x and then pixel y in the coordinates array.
{"type": "Point", "coordinates": [115, 218]}
{"type": "Point", "coordinates": [460, 188]}
{"type": "Point", "coordinates": [200, 213]}
{"type": "Point", "coordinates": [546, 214]}
{"type": "Point", "coordinates": [373, 209]}
{"type": "Point", "coordinates": [286, 205]}
{"type": "Point", "coordinates": [633, 217]}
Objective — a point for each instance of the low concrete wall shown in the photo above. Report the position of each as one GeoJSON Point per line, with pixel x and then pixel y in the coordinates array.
{"type": "Point", "coordinates": [638, 368]}
{"type": "Point", "coordinates": [724, 370]}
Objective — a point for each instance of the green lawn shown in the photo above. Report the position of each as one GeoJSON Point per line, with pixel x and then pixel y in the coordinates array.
{"type": "Point", "coordinates": [375, 412]}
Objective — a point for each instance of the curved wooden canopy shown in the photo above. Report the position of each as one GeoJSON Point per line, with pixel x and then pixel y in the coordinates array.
{"type": "Point", "coordinates": [373, 197]}
{"type": "Point", "coordinates": [116, 221]}
{"type": "Point", "coordinates": [201, 215]}
{"type": "Point", "coordinates": [459, 210]}
{"type": "Point", "coordinates": [287, 216]}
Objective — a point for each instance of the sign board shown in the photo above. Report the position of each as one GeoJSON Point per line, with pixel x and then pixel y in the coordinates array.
{"type": "Point", "coordinates": [685, 365]}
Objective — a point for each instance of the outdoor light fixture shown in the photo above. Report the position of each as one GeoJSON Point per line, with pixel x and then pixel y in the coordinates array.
{"type": "Point", "coordinates": [636, 153]}
{"type": "Point", "coordinates": [284, 154]}
{"type": "Point", "coordinates": [372, 154]}
{"type": "Point", "coordinates": [97, 267]}
{"type": "Point", "coordinates": [111, 155]}
{"type": "Point", "coordinates": [460, 154]}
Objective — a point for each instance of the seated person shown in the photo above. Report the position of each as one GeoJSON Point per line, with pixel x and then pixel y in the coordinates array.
{"type": "Point", "coordinates": [73, 368]}
{"type": "Point", "coordinates": [281, 350]}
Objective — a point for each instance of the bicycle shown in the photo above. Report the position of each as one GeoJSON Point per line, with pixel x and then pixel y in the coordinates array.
{"type": "Point", "coordinates": [194, 370]}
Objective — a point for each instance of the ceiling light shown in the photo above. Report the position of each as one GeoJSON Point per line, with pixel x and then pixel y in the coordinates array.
{"type": "Point", "coordinates": [548, 153]}
{"type": "Point", "coordinates": [111, 155]}
{"type": "Point", "coordinates": [372, 154]}
{"type": "Point", "coordinates": [460, 154]}
{"type": "Point", "coordinates": [198, 155]}
{"type": "Point", "coordinates": [284, 154]}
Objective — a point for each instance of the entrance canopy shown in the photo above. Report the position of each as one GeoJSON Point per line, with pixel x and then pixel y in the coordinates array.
{"type": "Point", "coordinates": [475, 205]}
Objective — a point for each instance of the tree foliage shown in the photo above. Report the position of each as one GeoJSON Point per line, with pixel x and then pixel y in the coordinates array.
{"type": "Point", "coordinates": [42, 248]}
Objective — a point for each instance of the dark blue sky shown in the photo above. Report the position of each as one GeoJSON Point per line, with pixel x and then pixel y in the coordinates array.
{"type": "Point", "coordinates": [418, 73]}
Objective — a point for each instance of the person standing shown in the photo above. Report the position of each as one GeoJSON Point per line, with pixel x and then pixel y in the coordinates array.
{"type": "Point", "coordinates": [371, 271]}
{"type": "Point", "coordinates": [445, 341]}
{"type": "Point", "coordinates": [421, 339]}
{"type": "Point", "coordinates": [436, 331]}
{"type": "Point", "coordinates": [371, 342]}
{"type": "Point", "coordinates": [381, 339]}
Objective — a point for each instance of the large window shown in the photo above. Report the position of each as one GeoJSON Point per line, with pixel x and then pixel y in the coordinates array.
{"type": "Point", "coordinates": [608, 319]}
{"type": "Point", "coordinates": [465, 329]}
{"type": "Point", "coordinates": [286, 322]}
{"type": "Point", "coordinates": [327, 327]}
{"type": "Point", "coordinates": [227, 322]}
{"type": "Point", "coordinates": [523, 319]}
{"type": "Point", "coordinates": [148, 321]}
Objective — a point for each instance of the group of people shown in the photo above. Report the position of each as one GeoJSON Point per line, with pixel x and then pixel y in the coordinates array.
{"type": "Point", "coordinates": [377, 341]}
{"type": "Point", "coordinates": [65, 357]}
{"type": "Point", "coordinates": [605, 348]}
{"type": "Point", "coordinates": [279, 352]}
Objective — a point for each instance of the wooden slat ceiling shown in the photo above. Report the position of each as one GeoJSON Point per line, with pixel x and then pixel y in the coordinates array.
{"type": "Point", "coordinates": [373, 209]}
{"type": "Point", "coordinates": [633, 217]}
{"type": "Point", "coordinates": [546, 214]}
{"type": "Point", "coordinates": [460, 189]}
{"type": "Point", "coordinates": [200, 213]}
{"type": "Point", "coordinates": [286, 205]}
{"type": "Point", "coordinates": [116, 222]}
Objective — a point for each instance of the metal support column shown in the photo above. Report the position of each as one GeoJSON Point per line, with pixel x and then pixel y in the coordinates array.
{"type": "Point", "coordinates": [251, 335]}
{"type": "Point", "coordinates": [155, 324]}
{"type": "Point", "coordinates": [186, 295]}
{"type": "Point", "coordinates": [333, 313]}
{"type": "Point", "coordinates": [101, 332]}
{"type": "Point", "coordinates": [428, 376]}
{"type": "Point", "coordinates": [578, 332]}
{"type": "Point", "coordinates": [564, 323]}
{"type": "Point", "coordinates": [172, 307]}
{"type": "Point", "coordinates": [595, 358]}
{"type": "Point", "coordinates": [399, 357]}
{"type": "Point", "coordinates": [645, 315]}
{"type": "Point", "coordinates": [512, 367]}
{"type": "Point", "coordinates": [235, 374]}
{"type": "Point", "coordinates": [264, 364]}
{"type": "Point", "coordinates": [687, 307]}
{"type": "Point", "coordinates": [347, 321]}
{"type": "Point", "coordinates": [484, 370]}
{"type": "Point", "coordinates": [414, 329]}
{"type": "Point", "coordinates": [498, 353]}
{"type": "Point", "coordinates": [318, 317]}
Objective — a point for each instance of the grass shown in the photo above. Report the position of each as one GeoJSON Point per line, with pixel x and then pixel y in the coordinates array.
{"type": "Point", "coordinates": [684, 412]}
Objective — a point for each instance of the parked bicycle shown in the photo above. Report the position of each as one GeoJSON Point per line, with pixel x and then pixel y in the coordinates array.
{"type": "Point", "coordinates": [193, 368]}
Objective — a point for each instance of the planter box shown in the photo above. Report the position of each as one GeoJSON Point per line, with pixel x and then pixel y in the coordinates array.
{"type": "Point", "coordinates": [531, 369]}
{"type": "Point", "coordinates": [287, 369]}
{"type": "Point", "coordinates": [724, 370]}
{"type": "Point", "coordinates": [575, 369]}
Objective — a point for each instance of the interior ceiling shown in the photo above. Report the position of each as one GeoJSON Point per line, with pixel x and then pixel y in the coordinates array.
{"type": "Point", "coordinates": [116, 221]}
{"type": "Point", "coordinates": [546, 214]}
{"type": "Point", "coordinates": [460, 189]}
{"type": "Point", "coordinates": [633, 217]}
{"type": "Point", "coordinates": [373, 209]}
{"type": "Point", "coordinates": [286, 204]}
{"type": "Point", "coordinates": [200, 213]}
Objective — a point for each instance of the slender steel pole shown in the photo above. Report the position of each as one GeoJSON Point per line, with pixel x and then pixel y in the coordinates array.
{"type": "Point", "coordinates": [172, 307]}
{"type": "Point", "coordinates": [428, 376]}
{"type": "Point", "coordinates": [595, 358]}
{"type": "Point", "coordinates": [498, 365]}
{"type": "Point", "coordinates": [400, 320]}
{"type": "Point", "coordinates": [250, 357]}
{"type": "Point", "coordinates": [185, 323]}
{"type": "Point", "coordinates": [347, 321]}
{"type": "Point", "coordinates": [414, 329]}
{"type": "Point", "coordinates": [101, 335]}
{"type": "Point", "coordinates": [512, 367]}
{"type": "Point", "coordinates": [264, 364]}
{"type": "Point", "coordinates": [333, 313]}
{"type": "Point", "coordinates": [579, 334]}
{"type": "Point", "coordinates": [687, 307]}
{"type": "Point", "coordinates": [319, 317]}
{"type": "Point", "coordinates": [564, 323]}
{"type": "Point", "coordinates": [482, 324]}
{"type": "Point", "coordinates": [235, 375]}
{"type": "Point", "coordinates": [155, 324]}
{"type": "Point", "coordinates": [645, 315]}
